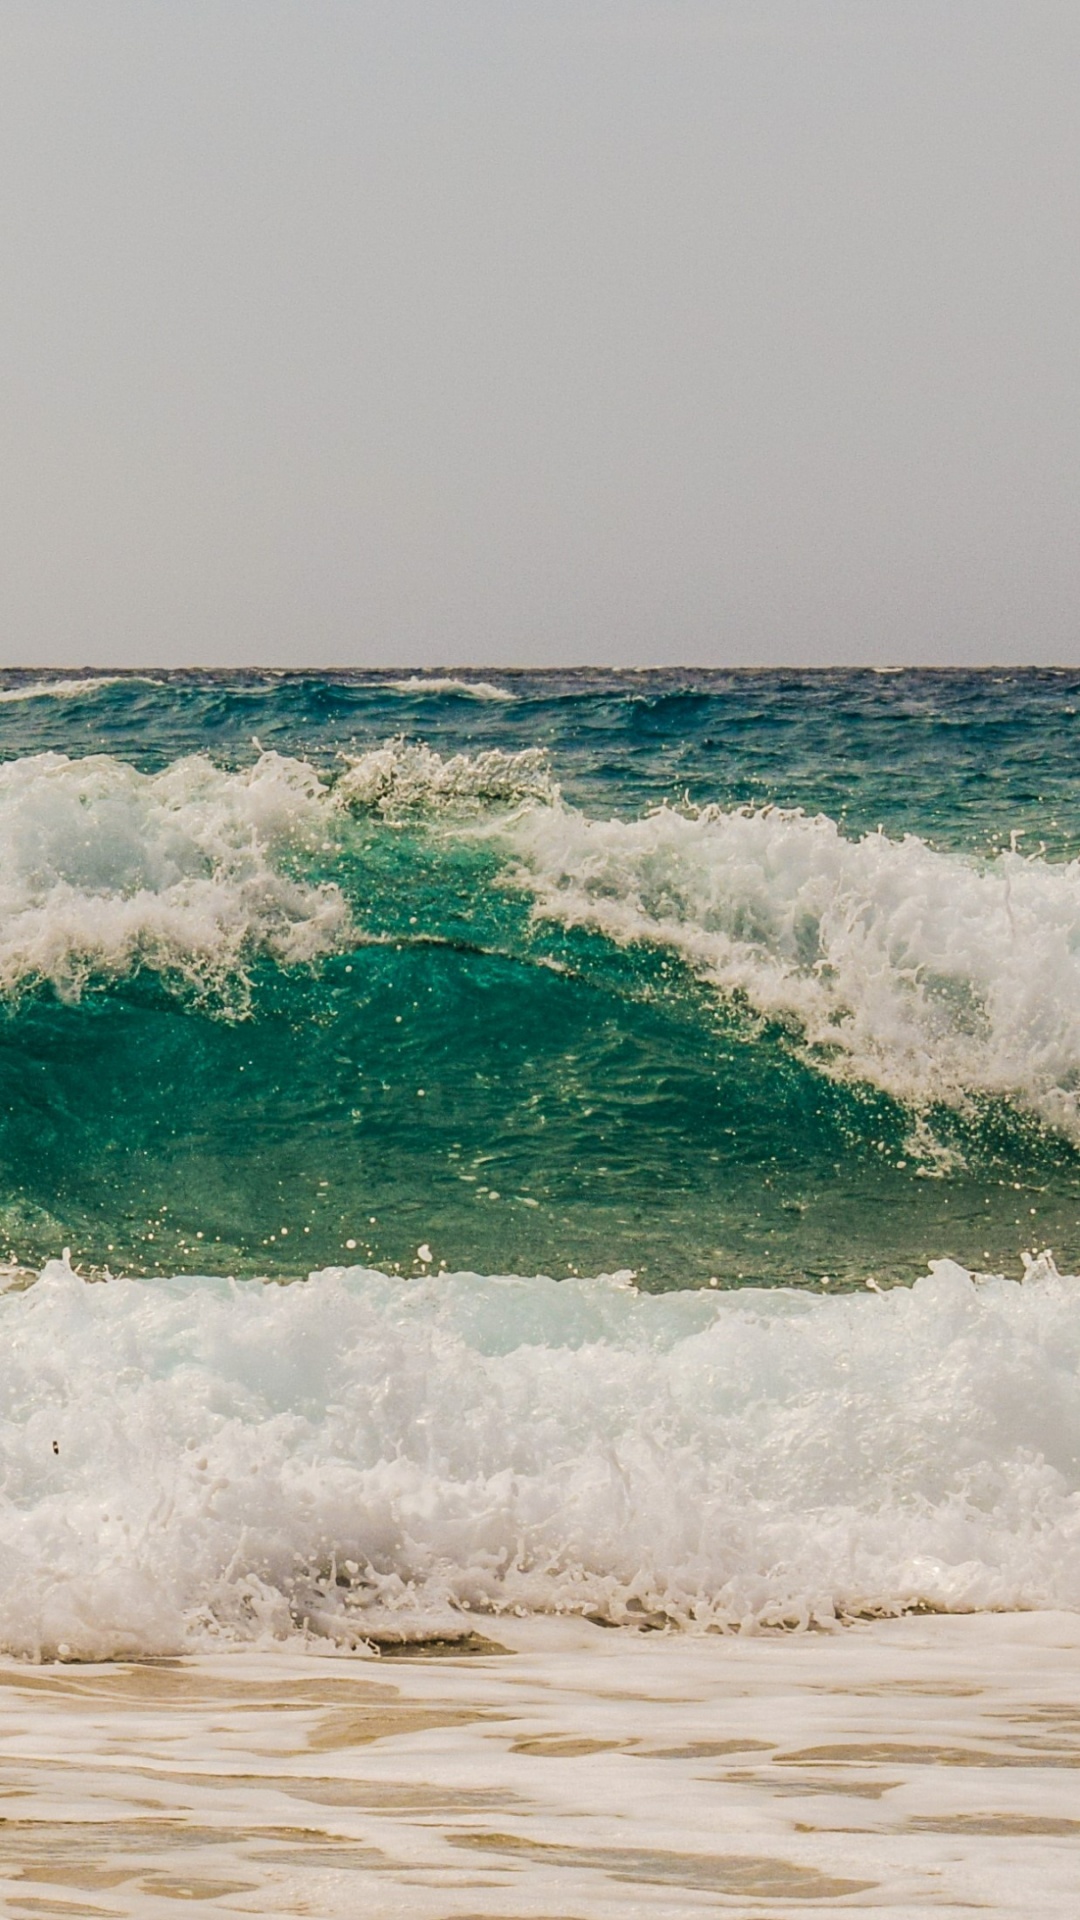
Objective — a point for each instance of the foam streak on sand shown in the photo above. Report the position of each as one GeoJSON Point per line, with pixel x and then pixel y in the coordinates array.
{"type": "Point", "coordinates": [901, 1768]}
{"type": "Point", "coordinates": [196, 1457]}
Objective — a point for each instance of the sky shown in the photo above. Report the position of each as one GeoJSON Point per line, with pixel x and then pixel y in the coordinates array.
{"type": "Point", "coordinates": [539, 332]}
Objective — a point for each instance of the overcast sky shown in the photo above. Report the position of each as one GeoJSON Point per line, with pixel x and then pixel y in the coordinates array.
{"type": "Point", "coordinates": [539, 331]}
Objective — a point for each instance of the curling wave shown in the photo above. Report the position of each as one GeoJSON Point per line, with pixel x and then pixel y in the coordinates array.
{"type": "Point", "coordinates": [934, 975]}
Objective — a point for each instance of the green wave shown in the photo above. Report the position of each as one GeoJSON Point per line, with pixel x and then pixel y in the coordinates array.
{"type": "Point", "coordinates": [494, 1097]}
{"type": "Point", "coordinates": [265, 1013]}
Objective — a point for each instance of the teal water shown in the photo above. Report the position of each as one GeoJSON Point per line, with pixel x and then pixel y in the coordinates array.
{"type": "Point", "coordinates": [717, 978]}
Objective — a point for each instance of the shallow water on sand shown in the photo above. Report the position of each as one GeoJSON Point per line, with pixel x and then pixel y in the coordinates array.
{"type": "Point", "coordinates": [898, 1767]}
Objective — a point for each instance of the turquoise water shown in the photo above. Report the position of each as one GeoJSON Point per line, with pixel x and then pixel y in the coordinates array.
{"type": "Point", "coordinates": [716, 978]}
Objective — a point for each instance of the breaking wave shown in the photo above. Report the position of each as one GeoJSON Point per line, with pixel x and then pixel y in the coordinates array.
{"type": "Point", "coordinates": [195, 1458]}
{"type": "Point", "coordinates": [403, 777]}
{"type": "Point", "coordinates": [441, 683]}
{"type": "Point", "coordinates": [104, 869]}
{"type": "Point", "coordinates": [934, 975]}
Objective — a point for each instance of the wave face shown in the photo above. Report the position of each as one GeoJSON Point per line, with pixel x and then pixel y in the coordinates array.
{"type": "Point", "coordinates": [191, 1459]}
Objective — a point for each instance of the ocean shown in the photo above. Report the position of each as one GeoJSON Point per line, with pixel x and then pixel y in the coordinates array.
{"type": "Point", "coordinates": [508, 1142]}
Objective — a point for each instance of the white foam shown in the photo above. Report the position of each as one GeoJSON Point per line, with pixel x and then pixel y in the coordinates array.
{"type": "Point", "coordinates": [104, 869]}
{"type": "Point", "coordinates": [403, 776]}
{"type": "Point", "coordinates": [242, 1459]}
{"type": "Point", "coordinates": [933, 974]}
{"type": "Point", "coordinates": [899, 1769]}
{"type": "Point", "coordinates": [446, 683]}
{"type": "Point", "coordinates": [58, 689]}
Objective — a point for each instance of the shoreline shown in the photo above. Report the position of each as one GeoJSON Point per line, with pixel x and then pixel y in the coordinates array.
{"type": "Point", "coordinates": [921, 1763]}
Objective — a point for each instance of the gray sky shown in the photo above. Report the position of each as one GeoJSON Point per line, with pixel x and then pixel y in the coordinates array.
{"type": "Point", "coordinates": [488, 331]}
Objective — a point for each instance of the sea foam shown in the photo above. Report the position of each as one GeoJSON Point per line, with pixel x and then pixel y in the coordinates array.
{"type": "Point", "coordinates": [189, 1459]}
{"type": "Point", "coordinates": [424, 684]}
{"type": "Point", "coordinates": [69, 689]}
{"type": "Point", "coordinates": [932, 974]}
{"type": "Point", "coordinates": [104, 869]}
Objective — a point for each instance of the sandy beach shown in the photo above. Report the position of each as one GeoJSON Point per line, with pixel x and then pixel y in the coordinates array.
{"type": "Point", "coordinates": [925, 1764]}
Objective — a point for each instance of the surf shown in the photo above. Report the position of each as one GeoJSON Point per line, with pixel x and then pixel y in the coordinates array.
{"type": "Point", "coordinates": [193, 1460]}
{"type": "Point", "coordinates": [409, 997]}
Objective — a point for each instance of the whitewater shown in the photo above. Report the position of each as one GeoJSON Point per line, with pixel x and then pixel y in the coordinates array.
{"type": "Point", "coordinates": [347, 1456]}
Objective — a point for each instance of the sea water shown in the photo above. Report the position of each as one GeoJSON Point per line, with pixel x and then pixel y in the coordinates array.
{"type": "Point", "coordinates": [583, 1142]}
{"type": "Point", "coordinates": [906, 1767]}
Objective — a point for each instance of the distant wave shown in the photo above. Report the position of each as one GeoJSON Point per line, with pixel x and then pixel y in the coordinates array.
{"type": "Point", "coordinates": [58, 689]}
{"type": "Point", "coordinates": [191, 1458]}
{"type": "Point", "coordinates": [469, 689]}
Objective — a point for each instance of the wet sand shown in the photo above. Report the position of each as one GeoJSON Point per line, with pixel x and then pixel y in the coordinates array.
{"type": "Point", "coordinates": [925, 1765]}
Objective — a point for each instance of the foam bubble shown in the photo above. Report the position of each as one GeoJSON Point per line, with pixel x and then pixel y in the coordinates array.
{"type": "Point", "coordinates": [933, 974]}
{"type": "Point", "coordinates": [104, 869]}
{"type": "Point", "coordinates": [193, 1457]}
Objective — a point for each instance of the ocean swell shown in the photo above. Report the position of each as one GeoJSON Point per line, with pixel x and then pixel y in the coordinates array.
{"type": "Point", "coordinates": [936, 976]}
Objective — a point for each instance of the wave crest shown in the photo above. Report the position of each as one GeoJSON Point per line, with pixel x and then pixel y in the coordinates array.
{"type": "Point", "coordinates": [69, 689]}
{"type": "Point", "coordinates": [403, 777]}
{"type": "Point", "coordinates": [934, 975]}
{"type": "Point", "coordinates": [418, 683]}
{"type": "Point", "coordinates": [104, 869]}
